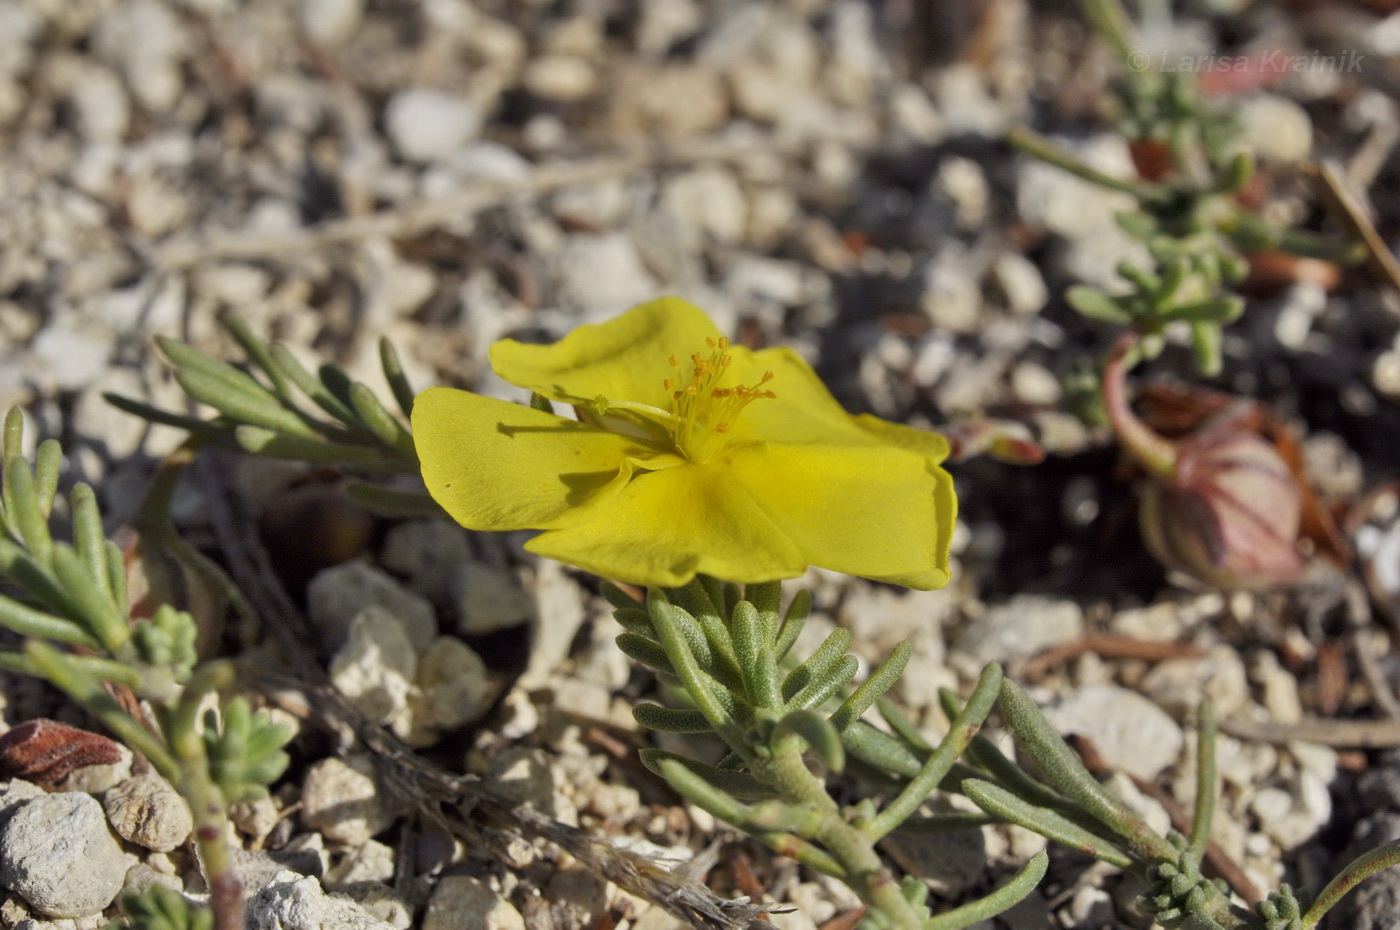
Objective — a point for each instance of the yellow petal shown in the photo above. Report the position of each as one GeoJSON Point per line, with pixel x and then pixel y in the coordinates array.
{"type": "Point", "coordinates": [922, 441]}
{"type": "Point", "coordinates": [877, 511]}
{"type": "Point", "coordinates": [493, 465]}
{"type": "Point", "coordinates": [803, 411]}
{"type": "Point", "coordinates": [664, 527]}
{"type": "Point", "coordinates": [622, 359]}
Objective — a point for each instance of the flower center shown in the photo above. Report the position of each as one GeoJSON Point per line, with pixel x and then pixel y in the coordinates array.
{"type": "Point", "coordinates": [702, 412]}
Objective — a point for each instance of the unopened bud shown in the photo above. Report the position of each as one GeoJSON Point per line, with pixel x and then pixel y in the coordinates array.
{"type": "Point", "coordinates": [1220, 505]}
{"type": "Point", "coordinates": [1228, 515]}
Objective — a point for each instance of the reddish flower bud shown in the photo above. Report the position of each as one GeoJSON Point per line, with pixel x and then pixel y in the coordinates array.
{"type": "Point", "coordinates": [1220, 505]}
{"type": "Point", "coordinates": [1229, 513]}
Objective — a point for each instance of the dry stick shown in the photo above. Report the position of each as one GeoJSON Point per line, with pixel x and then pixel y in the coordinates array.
{"type": "Point", "coordinates": [1215, 857]}
{"type": "Point", "coordinates": [1378, 255]}
{"type": "Point", "coordinates": [1351, 734]}
{"type": "Point", "coordinates": [434, 790]}
{"type": "Point", "coordinates": [420, 215]}
{"type": "Point", "coordinates": [1111, 647]}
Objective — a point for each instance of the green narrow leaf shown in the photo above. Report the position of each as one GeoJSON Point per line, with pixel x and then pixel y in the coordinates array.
{"type": "Point", "coordinates": [383, 424]}
{"type": "Point", "coordinates": [186, 358]}
{"type": "Point", "coordinates": [635, 620]}
{"type": "Point", "coordinates": [26, 621]}
{"type": "Point", "coordinates": [642, 649]}
{"type": "Point", "coordinates": [723, 805]}
{"type": "Point", "coordinates": [116, 576]}
{"type": "Point", "coordinates": [280, 445]}
{"type": "Point", "coordinates": [1137, 224]}
{"type": "Point", "coordinates": [22, 506]}
{"type": "Point", "coordinates": [1205, 341]}
{"type": "Point", "coordinates": [755, 657]}
{"type": "Point", "coordinates": [669, 626]}
{"type": "Point", "coordinates": [1066, 772]}
{"type": "Point", "coordinates": [715, 785]}
{"type": "Point", "coordinates": [1004, 898]}
{"type": "Point", "coordinates": [940, 761]}
{"type": "Point", "coordinates": [765, 598]}
{"type": "Point", "coordinates": [192, 425]}
{"type": "Point", "coordinates": [1360, 869]}
{"type": "Point", "coordinates": [1217, 310]}
{"type": "Point", "coordinates": [1096, 305]}
{"type": "Point", "coordinates": [1238, 171]}
{"type": "Point", "coordinates": [1207, 784]}
{"type": "Point", "coordinates": [394, 374]}
{"type": "Point", "coordinates": [90, 541]}
{"type": "Point", "coordinates": [1050, 824]}
{"type": "Point", "coordinates": [287, 363]}
{"type": "Point", "coordinates": [12, 441]}
{"type": "Point", "coordinates": [258, 353]}
{"type": "Point", "coordinates": [95, 607]}
{"type": "Point", "coordinates": [38, 582]}
{"type": "Point", "coordinates": [1174, 277]}
{"type": "Point", "coordinates": [243, 407]}
{"type": "Point", "coordinates": [697, 600]}
{"type": "Point", "coordinates": [880, 750]}
{"type": "Point", "coordinates": [670, 720]}
{"type": "Point", "coordinates": [48, 460]}
{"type": "Point", "coordinates": [820, 664]}
{"type": "Point", "coordinates": [821, 689]}
{"type": "Point", "coordinates": [873, 688]}
{"type": "Point", "coordinates": [793, 622]}
{"type": "Point", "coordinates": [903, 727]}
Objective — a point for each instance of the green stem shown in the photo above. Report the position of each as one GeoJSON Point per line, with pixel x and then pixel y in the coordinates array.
{"type": "Point", "coordinates": [1206, 783]}
{"type": "Point", "coordinates": [1360, 869]}
{"type": "Point", "coordinates": [207, 803]}
{"type": "Point", "coordinates": [1038, 146]}
{"type": "Point", "coordinates": [960, 733]}
{"type": "Point", "coordinates": [850, 846]}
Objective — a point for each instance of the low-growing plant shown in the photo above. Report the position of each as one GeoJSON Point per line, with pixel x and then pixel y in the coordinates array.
{"type": "Point", "coordinates": [707, 616]}
{"type": "Point", "coordinates": [69, 603]}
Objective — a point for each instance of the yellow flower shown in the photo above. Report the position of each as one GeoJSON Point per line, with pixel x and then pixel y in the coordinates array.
{"type": "Point", "coordinates": [691, 456]}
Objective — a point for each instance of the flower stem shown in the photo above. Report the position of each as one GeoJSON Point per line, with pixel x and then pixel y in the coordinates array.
{"type": "Point", "coordinates": [1153, 451]}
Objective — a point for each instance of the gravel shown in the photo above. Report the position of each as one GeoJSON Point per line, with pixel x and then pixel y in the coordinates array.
{"type": "Point", "coordinates": [818, 174]}
{"type": "Point", "coordinates": [58, 853]}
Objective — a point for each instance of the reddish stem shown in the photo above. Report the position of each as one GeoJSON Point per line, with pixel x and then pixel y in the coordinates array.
{"type": "Point", "coordinates": [1153, 451]}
